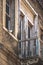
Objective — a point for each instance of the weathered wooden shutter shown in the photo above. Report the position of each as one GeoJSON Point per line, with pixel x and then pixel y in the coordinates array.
{"type": "Point", "coordinates": [37, 47]}
{"type": "Point", "coordinates": [26, 32]}
{"type": "Point", "coordinates": [12, 14]}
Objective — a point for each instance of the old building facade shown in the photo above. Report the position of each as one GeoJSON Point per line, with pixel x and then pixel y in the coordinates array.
{"type": "Point", "coordinates": [21, 32]}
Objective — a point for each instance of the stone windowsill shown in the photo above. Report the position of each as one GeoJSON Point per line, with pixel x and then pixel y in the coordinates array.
{"type": "Point", "coordinates": [10, 34]}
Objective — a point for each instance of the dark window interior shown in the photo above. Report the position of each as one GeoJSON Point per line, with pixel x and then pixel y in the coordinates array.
{"type": "Point", "coordinates": [7, 21]}
{"type": "Point", "coordinates": [34, 52]}
{"type": "Point", "coordinates": [19, 32]}
{"type": "Point", "coordinates": [28, 32]}
{"type": "Point", "coordinates": [7, 9]}
{"type": "Point", "coordinates": [7, 13]}
{"type": "Point", "coordinates": [7, 1]}
{"type": "Point", "coordinates": [19, 35]}
{"type": "Point", "coordinates": [28, 41]}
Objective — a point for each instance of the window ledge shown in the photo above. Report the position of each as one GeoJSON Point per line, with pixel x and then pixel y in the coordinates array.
{"type": "Point", "coordinates": [10, 34]}
{"type": "Point", "coordinates": [27, 17]}
{"type": "Point", "coordinates": [31, 8]}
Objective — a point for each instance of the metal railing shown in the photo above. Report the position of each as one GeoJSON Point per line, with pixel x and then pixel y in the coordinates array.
{"type": "Point", "coordinates": [28, 48]}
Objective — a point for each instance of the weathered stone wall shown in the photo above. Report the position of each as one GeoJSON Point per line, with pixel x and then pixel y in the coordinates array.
{"type": "Point", "coordinates": [1, 20]}
{"type": "Point", "coordinates": [8, 45]}
{"type": "Point", "coordinates": [36, 7]}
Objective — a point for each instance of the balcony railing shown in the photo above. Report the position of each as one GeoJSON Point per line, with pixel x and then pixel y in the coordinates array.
{"type": "Point", "coordinates": [28, 48]}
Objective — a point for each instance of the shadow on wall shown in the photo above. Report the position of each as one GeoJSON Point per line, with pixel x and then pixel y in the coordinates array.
{"type": "Point", "coordinates": [7, 56]}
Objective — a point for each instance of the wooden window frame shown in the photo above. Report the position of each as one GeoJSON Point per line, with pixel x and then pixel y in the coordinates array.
{"type": "Point", "coordinates": [14, 36]}
{"type": "Point", "coordinates": [7, 16]}
{"type": "Point", "coordinates": [5, 13]}
{"type": "Point", "coordinates": [21, 16]}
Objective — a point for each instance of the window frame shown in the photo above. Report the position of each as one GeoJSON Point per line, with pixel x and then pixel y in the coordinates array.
{"type": "Point", "coordinates": [32, 10]}
{"type": "Point", "coordinates": [7, 16]}
{"type": "Point", "coordinates": [14, 35]}
{"type": "Point", "coordinates": [4, 16]}
{"type": "Point", "coordinates": [20, 23]}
